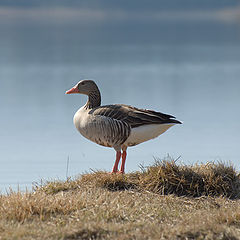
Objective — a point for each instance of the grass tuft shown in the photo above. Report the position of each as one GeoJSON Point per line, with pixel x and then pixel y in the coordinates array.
{"type": "Point", "coordinates": [53, 187]}
{"type": "Point", "coordinates": [112, 182]}
{"type": "Point", "coordinates": [166, 177]}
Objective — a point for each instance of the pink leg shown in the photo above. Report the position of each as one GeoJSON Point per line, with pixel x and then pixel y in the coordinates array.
{"type": "Point", "coordinates": [124, 155]}
{"type": "Point", "coordinates": [115, 167]}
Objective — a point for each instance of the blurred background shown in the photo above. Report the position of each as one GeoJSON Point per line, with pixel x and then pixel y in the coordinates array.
{"type": "Point", "coordinates": [177, 57]}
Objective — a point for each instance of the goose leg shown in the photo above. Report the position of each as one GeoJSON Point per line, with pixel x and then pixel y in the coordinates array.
{"type": "Point", "coordinates": [115, 167]}
{"type": "Point", "coordinates": [124, 155]}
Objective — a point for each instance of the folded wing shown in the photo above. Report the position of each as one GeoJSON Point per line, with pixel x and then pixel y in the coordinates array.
{"type": "Point", "coordinates": [135, 117]}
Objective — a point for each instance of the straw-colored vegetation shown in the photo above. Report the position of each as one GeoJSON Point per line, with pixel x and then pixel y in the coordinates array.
{"type": "Point", "coordinates": [164, 201]}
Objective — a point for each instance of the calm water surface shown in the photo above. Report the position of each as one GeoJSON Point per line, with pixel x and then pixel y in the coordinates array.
{"type": "Point", "coordinates": [199, 84]}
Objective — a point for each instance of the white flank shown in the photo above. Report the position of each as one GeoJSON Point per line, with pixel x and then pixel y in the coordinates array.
{"type": "Point", "coordinates": [146, 132]}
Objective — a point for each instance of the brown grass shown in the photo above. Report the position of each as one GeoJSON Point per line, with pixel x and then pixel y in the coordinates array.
{"type": "Point", "coordinates": [164, 201]}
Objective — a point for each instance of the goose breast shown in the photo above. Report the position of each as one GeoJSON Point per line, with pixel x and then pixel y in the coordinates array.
{"type": "Point", "coordinates": [102, 130]}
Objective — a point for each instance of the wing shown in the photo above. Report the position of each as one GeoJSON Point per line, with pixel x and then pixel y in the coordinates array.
{"type": "Point", "coordinates": [133, 116]}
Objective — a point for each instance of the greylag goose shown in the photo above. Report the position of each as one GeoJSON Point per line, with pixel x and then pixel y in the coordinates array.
{"type": "Point", "coordinates": [118, 126]}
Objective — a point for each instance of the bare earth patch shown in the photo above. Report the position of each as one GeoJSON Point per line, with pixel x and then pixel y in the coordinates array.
{"type": "Point", "coordinates": [164, 201]}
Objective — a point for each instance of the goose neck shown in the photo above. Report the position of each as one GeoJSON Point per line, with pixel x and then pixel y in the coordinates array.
{"type": "Point", "coordinates": [94, 99]}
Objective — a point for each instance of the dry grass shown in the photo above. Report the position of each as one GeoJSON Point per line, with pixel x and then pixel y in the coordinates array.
{"type": "Point", "coordinates": [164, 201]}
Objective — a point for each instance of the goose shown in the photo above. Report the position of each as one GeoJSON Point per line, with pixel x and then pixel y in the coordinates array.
{"type": "Point", "coordinates": [118, 126]}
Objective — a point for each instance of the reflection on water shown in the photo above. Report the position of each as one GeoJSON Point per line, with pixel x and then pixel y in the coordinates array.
{"type": "Point", "coordinates": [198, 84]}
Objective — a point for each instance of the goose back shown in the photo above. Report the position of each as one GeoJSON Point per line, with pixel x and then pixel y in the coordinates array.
{"type": "Point", "coordinates": [135, 117]}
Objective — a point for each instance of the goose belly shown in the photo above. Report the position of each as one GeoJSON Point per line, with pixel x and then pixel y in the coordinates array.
{"type": "Point", "coordinates": [145, 133]}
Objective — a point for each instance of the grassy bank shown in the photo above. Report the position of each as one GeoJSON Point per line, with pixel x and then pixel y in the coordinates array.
{"type": "Point", "coordinates": [164, 201]}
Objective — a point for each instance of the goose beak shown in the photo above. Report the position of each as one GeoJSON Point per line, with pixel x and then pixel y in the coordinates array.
{"type": "Point", "coordinates": [73, 90]}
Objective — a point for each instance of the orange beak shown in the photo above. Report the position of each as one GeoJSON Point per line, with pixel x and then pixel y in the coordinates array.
{"type": "Point", "coordinates": [72, 90]}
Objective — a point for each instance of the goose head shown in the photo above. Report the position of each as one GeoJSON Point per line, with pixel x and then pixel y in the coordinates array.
{"type": "Point", "coordinates": [84, 87]}
{"type": "Point", "coordinates": [89, 88]}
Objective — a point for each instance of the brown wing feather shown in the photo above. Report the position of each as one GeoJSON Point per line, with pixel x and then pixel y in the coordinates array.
{"type": "Point", "coordinates": [133, 116]}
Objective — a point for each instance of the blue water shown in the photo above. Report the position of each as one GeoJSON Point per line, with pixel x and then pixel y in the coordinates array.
{"type": "Point", "coordinates": [199, 84]}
